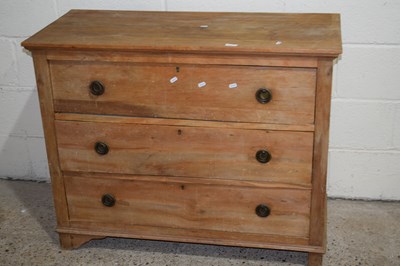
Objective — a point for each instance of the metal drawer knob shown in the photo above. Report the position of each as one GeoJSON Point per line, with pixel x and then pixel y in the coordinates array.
{"type": "Point", "coordinates": [263, 95]}
{"type": "Point", "coordinates": [101, 148]}
{"type": "Point", "coordinates": [263, 156]}
{"type": "Point", "coordinates": [96, 88]}
{"type": "Point", "coordinates": [108, 200]}
{"type": "Point", "coordinates": [263, 210]}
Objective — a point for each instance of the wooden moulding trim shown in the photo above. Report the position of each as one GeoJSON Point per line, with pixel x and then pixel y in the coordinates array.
{"type": "Point", "coordinates": [274, 52]}
{"type": "Point", "coordinates": [71, 241]}
{"type": "Point", "coordinates": [191, 180]}
{"type": "Point", "coordinates": [180, 122]}
{"type": "Point", "coordinates": [179, 235]}
{"type": "Point", "coordinates": [184, 58]}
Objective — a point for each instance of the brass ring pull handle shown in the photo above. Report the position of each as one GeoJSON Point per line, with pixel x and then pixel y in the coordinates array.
{"type": "Point", "coordinates": [263, 210]}
{"type": "Point", "coordinates": [96, 88]}
{"type": "Point", "coordinates": [108, 200]}
{"type": "Point", "coordinates": [263, 95]}
{"type": "Point", "coordinates": [101, 148]}
{"type": "Point", "coordinates": [263, 156]}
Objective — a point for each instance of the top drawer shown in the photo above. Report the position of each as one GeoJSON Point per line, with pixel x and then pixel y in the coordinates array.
{"type": "Point", "coordinates": [204, 92]}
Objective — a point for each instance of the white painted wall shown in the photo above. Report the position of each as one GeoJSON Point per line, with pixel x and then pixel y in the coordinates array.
{"type": "Point", "coordinates": [364, 158]}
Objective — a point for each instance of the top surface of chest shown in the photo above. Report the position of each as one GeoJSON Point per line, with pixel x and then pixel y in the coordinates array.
{"type": "Point", "coordinates": [276, 33]}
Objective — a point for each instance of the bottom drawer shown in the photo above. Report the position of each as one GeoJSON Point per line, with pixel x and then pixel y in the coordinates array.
{"type": "Point", "coordinates": [187, 206]}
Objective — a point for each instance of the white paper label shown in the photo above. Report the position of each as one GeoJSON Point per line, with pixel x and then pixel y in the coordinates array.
{"type": "Point", "coordinates": [233, 85]}
{"type": "Point", "coordinates": [201, 84]}
{"type": "Point", "coordinates": [231, 44]}
{"type": "Point", "coordinates": [173, 80]}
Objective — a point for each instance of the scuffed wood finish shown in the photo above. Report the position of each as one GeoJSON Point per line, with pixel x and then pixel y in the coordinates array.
{"type": "Point", "coordinates": [47, 110]}
{"type": "Point", "coordinates": [296, 34]}
{"type": "Point", "coordinates": [187, 206]}
{"type": "Point", "coordinates": [184, 58]}
{"type": "Point", "coordinates": [182, 160]}
{"type": "Point", "coordinates": [146, 90]}
{"type": "Point", "coordinates": [192, 180]}
{"type": "Point", "coordinates": [179, 122]}
{"type": "Point", "coordinates": [203, 236]}
{"type": "Point", "coordinates": [185, 151]}
{"type": "Point", "coordinates": [320, 160]}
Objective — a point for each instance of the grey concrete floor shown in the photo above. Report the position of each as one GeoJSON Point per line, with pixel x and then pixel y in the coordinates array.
{"type": "Point", "coordinates": [359, 233]}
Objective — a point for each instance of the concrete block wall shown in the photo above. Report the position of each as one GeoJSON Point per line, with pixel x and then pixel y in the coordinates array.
{"type": "Point", "coordinates": [364, 154]}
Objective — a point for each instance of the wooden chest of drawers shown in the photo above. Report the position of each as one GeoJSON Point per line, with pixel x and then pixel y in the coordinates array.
{"type": "Point", "coordinates": [193, 127]}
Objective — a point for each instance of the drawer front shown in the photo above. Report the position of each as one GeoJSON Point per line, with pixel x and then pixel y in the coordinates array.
{"type": "Point", "coordinates": [185, 151]}
{"type": "Point", "coordinates": [226, 93]}
{"type": "Point", "coordinates": [187, 206]}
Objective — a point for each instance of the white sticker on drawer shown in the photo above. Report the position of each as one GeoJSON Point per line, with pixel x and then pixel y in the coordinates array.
{"type": "Point", "coordinates": [173, 80]}
{"type": "Point", "coordinates": [202, 84]}
{"type": "Point", "coordinates": [233, 85]}
{"type": "Point", "coordinates": [231, 44]}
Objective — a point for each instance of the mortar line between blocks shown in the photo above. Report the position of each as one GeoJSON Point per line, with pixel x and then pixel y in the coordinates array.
{"type": "Point", "coordinates": [380, 45]}
{"type": "Point", "coordinates": [394, 151]}
{"type": "Point", "coordinates": [15, 57]}
{"type": "Point", "coordinates": [17, 88]}
{"type": "Point", "coordinates": [340, 99]}
{"type": "Point", "coordinates": [56, 8]}
{"type": "Point", "coordinates": [165, 5]}
{"type": "Point", "coordinates": [23, 136]}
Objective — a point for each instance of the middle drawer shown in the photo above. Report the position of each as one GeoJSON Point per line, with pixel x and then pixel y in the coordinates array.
{"type": "Point", "coordinates": [147, 149]}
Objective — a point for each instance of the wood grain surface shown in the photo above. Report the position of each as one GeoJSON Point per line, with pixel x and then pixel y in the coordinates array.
{"type": "Point", "coordinates": [278, 33]}
{"type": "Point", "coordinates": [320, 161]}
{"type": "Point", "coordinates": [44, 90]}
{"type": "Point", "coordinates": [188, 206]}
{"type": "Point", "coordinates": [182, 123]}
{"type": "Point", "coordinates": [185, 151]}
{"type": "Point", "coordinates": [192, 236]}
{"type": "Point", "coordinates": [199, 92]}
{"type": "Point", "coordinates": [183, 58]}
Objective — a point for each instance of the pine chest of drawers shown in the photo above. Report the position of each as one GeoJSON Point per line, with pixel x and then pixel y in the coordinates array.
{"type": "Point", "coordinates": [193, 127]}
